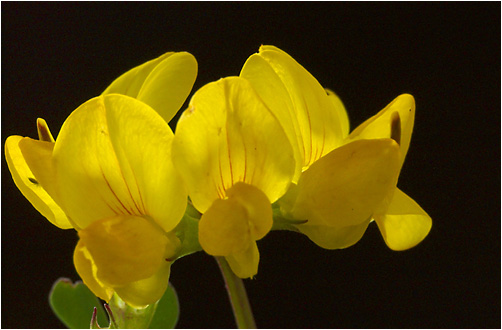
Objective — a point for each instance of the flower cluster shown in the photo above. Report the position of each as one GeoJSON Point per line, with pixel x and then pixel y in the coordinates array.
{"type": "Point", "coordinates": [268, 149]}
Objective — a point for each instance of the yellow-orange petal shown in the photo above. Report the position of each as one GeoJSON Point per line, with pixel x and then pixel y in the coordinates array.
{"type": "Point", "coordinates": [380, 125]}
{"type": "Point", "coordinates": [163, 83]}
{"type": "Point", "coordinates": [331, 238]}
{"type": "Point", "coordinates": [273, 92]}
{"type": "Point", "coordinates": [223, 228]}
{"type": "Point", "coordinates": [257, 207]}
{"type": "Point", "coordinates": [317, 118]}
{"type": "Point", "coordinates": [341, 113]}
{"type": "Point", "coordinates": [44, 133]}
{"type": "Point", "coordinates": [30, 163]}
{"type": "Point", "coordinates": [405, 224]}
{"type": "Point", "coordinates": [112, 157]}
{"type": "Point", "coordinates": [86, 268]}
{"type": "Point", "coordinates": [345, 187]}
{"type": "Point", "coordinates": [228, 135]}
{"type": "Point", "coordinates": [141, 293]}
{"type": "Point", "coordinates": [231, 226]}
{"type": "Point", "coordinates": [125, 249]}
{"type": "Point", "coordinates": [244, 264]}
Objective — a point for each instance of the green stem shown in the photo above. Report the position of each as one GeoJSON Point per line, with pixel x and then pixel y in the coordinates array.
{"type": "Point", "coordinates": [237, 295]}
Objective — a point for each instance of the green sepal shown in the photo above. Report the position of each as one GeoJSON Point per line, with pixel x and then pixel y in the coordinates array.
{"type": "Point", "coordinates": [161, 315]}
{"type": "Point", "coordinates": [94, 320]}
{"type": "Point", "coordinates": [188, 232]}
{"type": "Point", "coordinates": [73, 304]}
{"type": "Point", "coordinates": [168, 310]}
{"type": "Point", "coordinates": [282, 221]}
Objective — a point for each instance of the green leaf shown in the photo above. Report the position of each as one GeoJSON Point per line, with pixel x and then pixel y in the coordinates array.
{"type": "Point", "coordinates": [161, 315]}
{"type": "Point", "coordinates": [168, 310]}
{"type": "Point", "coordinates": [73, 304]}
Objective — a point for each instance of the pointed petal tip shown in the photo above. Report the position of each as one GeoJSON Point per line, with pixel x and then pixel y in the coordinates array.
{"type": "Point", "coordinates": [44, 134]}
{"type": "Point", "coordinates": [407, 99]}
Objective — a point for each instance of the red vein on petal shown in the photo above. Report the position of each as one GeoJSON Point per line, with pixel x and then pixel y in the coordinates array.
{"type": "Point", "coordinates": [127, 185]}
{"type": "Point", "coordinates": [229, 159]}
{"type": "Point", "coordinates": [99, 192]}
{"type": "Point", "coordinates": [245, 161]}
{"type": "Point", "coordinates": [220, 192]}
{"type": "Point", "coordinates": [221, 172]}
{"type": "Point", "coordinates": [130, 194]}
{"type": "Point", "coordinates": [113, 192]}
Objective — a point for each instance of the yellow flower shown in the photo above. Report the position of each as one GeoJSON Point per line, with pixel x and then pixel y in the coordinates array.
{"type": "Point", "coordinates": [343, 181]}
{"type": "Point", "coordinates": [235, 160]}
{"type": "Point", "coordinates": [110, 176]}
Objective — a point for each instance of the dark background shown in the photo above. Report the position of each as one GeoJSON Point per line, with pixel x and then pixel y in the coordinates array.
{"type": "Point", "coordinates": [56, 56]}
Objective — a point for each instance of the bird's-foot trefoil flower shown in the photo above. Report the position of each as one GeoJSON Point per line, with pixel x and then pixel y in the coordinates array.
{"type": "Point", "coordinates": [342, 182]}
{"type": "Point", "coordinates": [109, 175]}
{"type": "Point", "coordinates": [114, 181]}
{"type": "Point", "coordinates": [236, 160]}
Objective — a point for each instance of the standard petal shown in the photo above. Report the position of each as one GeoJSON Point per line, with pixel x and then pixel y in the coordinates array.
{"type": "Point", "coordinates": [163, 83]}
{"type": "Point", "coordinates": [405, 224]}
{"type": "Point", "coordinates": [130, 82]}
{"type": "Point", "coordinates": [228, 135]}
{"type": "Point", "coordinates": [34, 187]}
{"type": "Point", "coordinates": [112, 157]}
{"type": "Point", "coordinates": [244, 264]}
{"type": "Point", "coordinates": [318, 120]}
{"type": "Point", "coordinates": [141, 293]}
{"type": "Point", "coordinates": [334, 237]}
{"type": "Point", "coordinates": [345, 187]}
{"type": "Point", "coordinates": [169, 84]}
{"type": "Point", "coordinates": [142, 143]}
{"type": "Point", "coordinates": [379, 126]}
{"type": "Point", "coordinates": [343, 117]}
{"type": "Point", "coordinates": [86, 268]}
{"type": "Point", "coordinates": [125, 249]}
{"type": "Point", "coordinates": [274, 94]}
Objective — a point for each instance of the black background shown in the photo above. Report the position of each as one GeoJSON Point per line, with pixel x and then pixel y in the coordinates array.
{"type": "Point", "coordinates": [56, 56]}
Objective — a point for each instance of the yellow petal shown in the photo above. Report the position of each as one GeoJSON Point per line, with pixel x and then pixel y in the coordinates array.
{"type": "Point", "coordinates": [379, 126]}
{"type": "Point", "coordinates": [334, 237]}
{"type": "Point", "coordinates": [125, 249]}
{"type": "Point", "coordinates": [275, 95]}
{"type": "Point", "coordinates": [228, 135]}
{"type": "Point", "coordinates": [231, 224]}
{"type": "Point", "coordinates": [130, 82]}
{"type": "Point", "coordinates": [318, 119]}
{"type": "Point", "coordinates": [141, 293]}
{"type": "Point", "coordinates": [34, 187]}
{"type": "Point", "coordinates": [244, 264]}
{"type": "Point", "coordinates": [343, 118]}
{"type": "Point", "coordinates": [405, 224]}
{"type": "Point", "coordinates": [142, 143]}
{"type": "Point", "coordinates": [163, 83]}
{"type": "Point", "coordinates": [112, 157]}
{"type": "Point", "coordinates": [257, 207]}
{"type": "Point", "coordinates": [223, 228]}
{"type": "Point", "coordinates": [86, 268]}
{"type": "Point", "coordinates": [345, 187]}
{"type": "Point", "coordinates": [44, 134]}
